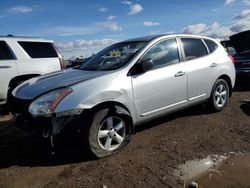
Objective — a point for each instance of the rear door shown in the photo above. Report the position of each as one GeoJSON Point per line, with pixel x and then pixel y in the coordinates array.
{"type": "Point", "coordinates": [8, 69]}
{"type": "Point", "coordinates": [200, 68]}
{"type": "Point", "coordinates": [163, 87]}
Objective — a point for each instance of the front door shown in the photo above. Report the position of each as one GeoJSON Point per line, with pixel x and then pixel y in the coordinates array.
{"type": "Point", "coordinates": [163, 87]}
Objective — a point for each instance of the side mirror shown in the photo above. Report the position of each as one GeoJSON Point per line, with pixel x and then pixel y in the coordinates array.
{"type": "Point", "coordinates": [147, 65]}
{"type": "Point", "coordinates": [141, 67]}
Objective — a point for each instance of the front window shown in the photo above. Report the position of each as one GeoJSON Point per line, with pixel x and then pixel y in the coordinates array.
{"type": "Point", "coordinates": [113, 57]}
{"type": "Point", "coordinates": [163, 53]}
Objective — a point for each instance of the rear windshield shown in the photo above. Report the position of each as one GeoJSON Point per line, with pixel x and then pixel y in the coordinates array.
{"type": "Point", "coordinates": [39, 49]}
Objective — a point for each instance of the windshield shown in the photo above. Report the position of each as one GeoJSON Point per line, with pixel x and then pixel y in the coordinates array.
{"type": "Point", "coordinates": [113, 57]}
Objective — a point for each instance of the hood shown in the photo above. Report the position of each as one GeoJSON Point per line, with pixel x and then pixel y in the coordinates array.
{"type": "Point", "coordinates": [42, 84]}
{"type": "Point", "coordinates": [241, 41]}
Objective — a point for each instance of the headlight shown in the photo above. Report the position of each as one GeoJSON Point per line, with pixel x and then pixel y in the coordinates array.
{"type": "Point", "coordinates": [47, 103]}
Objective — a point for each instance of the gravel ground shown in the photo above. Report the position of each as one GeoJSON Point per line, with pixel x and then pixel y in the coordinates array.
{"type": "Point", "coordinates": [155, 151]}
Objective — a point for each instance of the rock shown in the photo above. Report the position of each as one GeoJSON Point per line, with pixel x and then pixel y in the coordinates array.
{"type": "Point", "coordinates": [104, 186]}
{"type": "Point", "coordinates": [193, 185]}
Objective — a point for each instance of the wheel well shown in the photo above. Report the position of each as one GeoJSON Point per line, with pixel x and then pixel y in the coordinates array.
{"type": "Point", "coordinates": [122, 109]}
{"type": "Point", "coordinates": [228, 80]}
{"type": "Point", "coordinates": [14, 81]}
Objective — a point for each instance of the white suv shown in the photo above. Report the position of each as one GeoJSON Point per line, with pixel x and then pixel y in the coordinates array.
{"type": "Point", "coordinates": [22, 58]}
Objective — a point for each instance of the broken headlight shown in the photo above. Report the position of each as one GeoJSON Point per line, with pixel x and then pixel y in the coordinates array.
{"type": "Point", "coordinates": [47, 103]}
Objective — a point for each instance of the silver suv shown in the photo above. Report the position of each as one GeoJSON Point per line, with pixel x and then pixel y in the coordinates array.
{"type": "Point", "coordinates": [125, 85]}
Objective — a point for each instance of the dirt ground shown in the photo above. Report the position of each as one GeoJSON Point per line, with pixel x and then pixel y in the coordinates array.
{"type": "Point", "coordinates": [155, 151]}
{"type": "Point", "coordinates": [232, 172]}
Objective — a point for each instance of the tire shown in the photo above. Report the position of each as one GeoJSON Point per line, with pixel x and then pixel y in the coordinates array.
{"type": "Point", "coordinates": [219, 96]}
{"type": "Point", "coordinates": [109, 133]}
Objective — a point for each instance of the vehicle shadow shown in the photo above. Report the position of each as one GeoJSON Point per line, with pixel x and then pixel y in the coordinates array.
{"type": "Point", "coordinates": [242, 84]}
{"type": "Point", "coordinates": [18, 148]}
{"type": "Point", "coordinates": [245, 107]}
{"type": "Point", "coordinates": [3, 110]}
{"type": "Point", "coordinates": [191, 111]}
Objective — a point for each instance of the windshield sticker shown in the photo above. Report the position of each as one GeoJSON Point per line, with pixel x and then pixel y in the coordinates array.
{"type": "Point", "coordinates": [115, 53]}
{"type": "Point", "coordinates": [130, 51]}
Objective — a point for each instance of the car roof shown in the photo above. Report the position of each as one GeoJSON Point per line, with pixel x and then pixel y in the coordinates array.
{"type": "Point", "coordinates": [23, 38]}
{"type": "Point", "coordinates": [144, 38]}
{"type": "Point", "coordinates": [152, 37]}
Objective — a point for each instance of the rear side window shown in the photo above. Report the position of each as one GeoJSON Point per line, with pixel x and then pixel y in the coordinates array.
{"type": "Point", "coordinates": [5, 52]}
{"type": "Point", "coordinates": [212, 46]}
{"type": "Point", "coordinates": [39, 49]}
{"type": "Point", "coordinates": [193, 48]}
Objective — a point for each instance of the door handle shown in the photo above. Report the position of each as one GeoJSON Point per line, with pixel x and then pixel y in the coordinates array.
{"type": "Point", "coordinates": [179, 74]}
{"type": "Point", "coordinates": [5, 67]}
{"type": "Point", "coordinates": [214, 65]}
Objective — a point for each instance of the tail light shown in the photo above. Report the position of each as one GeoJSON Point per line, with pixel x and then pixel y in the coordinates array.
{"type": "Point", "coordinates": [232, 59]}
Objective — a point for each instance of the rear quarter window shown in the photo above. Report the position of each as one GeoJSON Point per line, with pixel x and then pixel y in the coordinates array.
{"type": "Point", "coordinates": [193, 48]}
{"type": "Point", "coordinates": [212, 46]}
{"type": "Point", "coordinates": [39, 49]}
{"type": "Point", "coordinates": [5, 52]}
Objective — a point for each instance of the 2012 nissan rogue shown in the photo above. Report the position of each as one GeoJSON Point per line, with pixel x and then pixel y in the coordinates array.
{"type": "Point", "coordinates": [124, 85]}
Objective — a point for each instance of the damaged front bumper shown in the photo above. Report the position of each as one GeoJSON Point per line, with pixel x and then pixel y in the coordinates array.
{"type": "Point", "coordinates": [51, 125]}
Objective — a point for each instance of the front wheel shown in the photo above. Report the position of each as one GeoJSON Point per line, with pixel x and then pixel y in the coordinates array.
{"type": "Point", "coordinates": [219, 95]}
{"type": "Point", "coordinates": [109, 133]}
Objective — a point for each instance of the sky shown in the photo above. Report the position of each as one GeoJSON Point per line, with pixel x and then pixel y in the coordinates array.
{"type": "Point", "coordinates": [84, 27]}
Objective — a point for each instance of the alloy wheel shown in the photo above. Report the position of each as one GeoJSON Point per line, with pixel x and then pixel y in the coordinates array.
{"type": "Point", "coordinates": [111, 133]}
{"type": "Point", "coordinates": [221, 95]}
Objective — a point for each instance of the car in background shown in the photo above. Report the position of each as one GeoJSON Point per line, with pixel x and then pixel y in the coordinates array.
{"type": "Point", "coordinates": [22, 58]}
{"type": "Point", "coordinates": [241, 43]}
{"type": "Point", "coordinates": [125, 85]}
{"type": "Point", "coordinates": [76, 62]}
{"type": "Point", "coordinates": [229, 47]}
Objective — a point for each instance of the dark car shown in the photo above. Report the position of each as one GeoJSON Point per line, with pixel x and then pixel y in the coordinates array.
{"type": "Point", "coordinates": [241, 44]}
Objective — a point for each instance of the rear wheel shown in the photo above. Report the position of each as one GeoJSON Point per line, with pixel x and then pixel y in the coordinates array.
{"type": "Point", "coordinates": [219, 96]}
{"type": "Point", "coordinates": [109, 133]}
